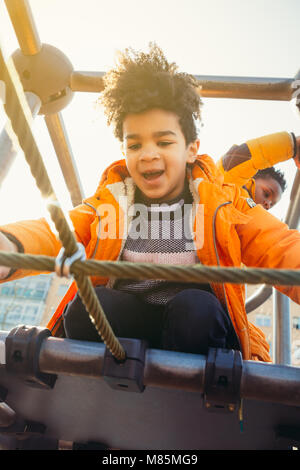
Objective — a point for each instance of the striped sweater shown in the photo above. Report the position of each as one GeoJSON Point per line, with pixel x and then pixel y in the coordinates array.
{"type": "Point", "coordinates": [160, 233]}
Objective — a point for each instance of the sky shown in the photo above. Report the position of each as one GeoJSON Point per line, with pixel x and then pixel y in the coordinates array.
{"type": "Point", "coordinates": [257, 38]}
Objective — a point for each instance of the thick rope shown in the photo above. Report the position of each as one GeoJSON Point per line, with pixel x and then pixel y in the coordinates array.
{"type": "Point", "coordinates": [15, 104]}
{"type": "Point", "coordinates": [126, 270]}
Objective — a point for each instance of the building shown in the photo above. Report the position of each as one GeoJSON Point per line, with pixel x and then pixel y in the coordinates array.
{"type": "Point", "coordinates": [30, 300]}
{"type": "Point", "coordinates": [57, 289]}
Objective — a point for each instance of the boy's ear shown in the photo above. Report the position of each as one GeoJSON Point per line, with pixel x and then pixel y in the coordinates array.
{"type": "Point", "coordinates": [193, 149]}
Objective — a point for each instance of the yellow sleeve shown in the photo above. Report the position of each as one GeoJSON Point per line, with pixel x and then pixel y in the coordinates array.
{"type": "Point", "coordinates": [242, 162]}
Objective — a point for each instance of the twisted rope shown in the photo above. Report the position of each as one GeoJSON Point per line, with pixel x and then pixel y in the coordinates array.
{"type": "Point", "coordinates": [15, 104]}
{"type": "Point", "coordinates": [127, 270]}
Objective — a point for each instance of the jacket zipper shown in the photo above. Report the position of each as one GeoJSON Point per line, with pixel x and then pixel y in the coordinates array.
{"type": "Point", "coordinates": [218, 261]}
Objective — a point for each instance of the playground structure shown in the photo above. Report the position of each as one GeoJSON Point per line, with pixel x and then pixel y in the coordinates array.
{"type": "Point", "coordinates": [167, 400]}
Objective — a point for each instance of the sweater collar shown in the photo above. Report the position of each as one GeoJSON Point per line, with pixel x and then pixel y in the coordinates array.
{"type": "Point", "coordinates": [183, 198]}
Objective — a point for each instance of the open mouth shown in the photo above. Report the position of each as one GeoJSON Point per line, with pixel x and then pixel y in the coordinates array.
{"type": "Point", "coordinates": [153, 174]}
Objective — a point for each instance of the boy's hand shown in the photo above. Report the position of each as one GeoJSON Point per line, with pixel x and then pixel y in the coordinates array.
{"type": "Point", "coordinates": [297, 157]}
{"type": "Point", "coordinates": [10, 247]}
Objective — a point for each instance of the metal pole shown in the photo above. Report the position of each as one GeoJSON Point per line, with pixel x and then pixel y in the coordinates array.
{"type": "Point", "coordinates": [24, 26]}
{"type": "Point", "coordinates": [256, 88]}
{"type": "Point", "coordinates": [62, 146]}
{"type": "Point", "coordinates": [281, 329]}
{"type": "Point", "coordinates": [292, 218]}
{"type": "Point", "coordinates": [168, 369]}
{"type": "Point", "coordinates": [171, 370]}
{"type": "Point", "coordinates": [258, 298]}
{"type": "Point", "coordinates": [87, 81]}
{"type": "Point", "coordinates": [8, 151]}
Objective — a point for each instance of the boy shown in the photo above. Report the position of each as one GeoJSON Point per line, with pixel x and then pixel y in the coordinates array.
{"type": "Point", "coordinates": [254, 171]}
{"type": "Point", "coordinates": [153, 109]}
{"type": "Point", "coordinates": [266, 187]}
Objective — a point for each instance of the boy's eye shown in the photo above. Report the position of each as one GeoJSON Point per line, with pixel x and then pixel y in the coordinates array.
{"type": "Point", "coordinates": [134, 146]}
{"type": "Point", "coordinates": [164, 143]}
{"type": "Point", "coordinates": [161, 143]}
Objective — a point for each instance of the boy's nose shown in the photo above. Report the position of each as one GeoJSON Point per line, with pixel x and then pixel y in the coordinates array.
{"type": "Point", "coordinates": [149, 155]}
{"type": "Point", "coordinates": [267, 204]}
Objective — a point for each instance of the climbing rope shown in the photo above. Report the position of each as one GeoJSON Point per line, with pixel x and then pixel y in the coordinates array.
{"type": "Point", "coordinates": [14, 106]}
{"type": "Point", "coordinates": [180, 273]}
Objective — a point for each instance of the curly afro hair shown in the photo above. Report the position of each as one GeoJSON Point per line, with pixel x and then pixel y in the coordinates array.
{"type": "Point", "coordinates": [270, 172]}
{"type": "Point", "coordinates": [143, 81]}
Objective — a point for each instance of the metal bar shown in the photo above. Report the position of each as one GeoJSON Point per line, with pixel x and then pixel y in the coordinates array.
{"type": "Point", "coordinates": [67, 356]}
{"type": "Point", "coordinates": [255, 88]}
{"type": "Point", "coordinates": [8, 150]}
{"type": "Point", "coordinates": [168, 369]}
{"type": "Point", "coordinates": [87, 81]}
{"type": "Point", "coordinates": [271, 382]}
{"type": "Point", "coordinates": [65, 157]}
{"type": "Point", "coordinates": [293, 213]}
{"type": "Point", "coordinates": [258, 298]}
{"type": "Point", "coordinates": [209, 86]}
{"type": "Point", "coordinates": [281, 329]}
{"type": "Point", "coordinates": [24, 26]}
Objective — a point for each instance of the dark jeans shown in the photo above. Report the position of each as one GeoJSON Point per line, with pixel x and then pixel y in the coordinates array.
{"type": "Point", "coordinates": [192, 321]}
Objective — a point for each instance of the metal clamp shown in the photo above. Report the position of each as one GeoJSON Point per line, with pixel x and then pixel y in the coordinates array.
{"type": "Point", "coordinates": [23, 345]}
{"type": "Point", "coordinates": [222, 380]}
{"type": "Point", "coordinates": [128, 375]}
{"type": "Point", "coordinates": [63, 263]}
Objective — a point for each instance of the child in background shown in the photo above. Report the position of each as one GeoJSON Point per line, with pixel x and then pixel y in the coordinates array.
{"type": "Point", "coordinates": [254, 171]}
{"type": "Point", "coordinates": [268, 187]}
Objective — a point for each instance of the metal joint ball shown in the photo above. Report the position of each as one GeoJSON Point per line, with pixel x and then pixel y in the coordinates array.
{"type": "Point", "coordinates": [46, 74]}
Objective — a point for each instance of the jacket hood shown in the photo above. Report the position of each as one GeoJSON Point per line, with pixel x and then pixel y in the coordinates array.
{"type": "Point", "coordinates": [208, 166]}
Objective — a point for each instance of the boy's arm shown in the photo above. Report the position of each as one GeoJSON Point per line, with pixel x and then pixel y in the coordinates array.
{"type": "Point", "coordinates": [36, 237]}
{"type": "Point", "coordinates": [242, 162]}
{"type": "Point", "coordinates": [266, 242]}
{"type": "Point", "coordinates": [9, 246]}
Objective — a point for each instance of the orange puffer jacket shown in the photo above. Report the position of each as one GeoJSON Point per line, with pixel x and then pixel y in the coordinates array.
{"type": "Point", "coordinates": [232, 231]}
